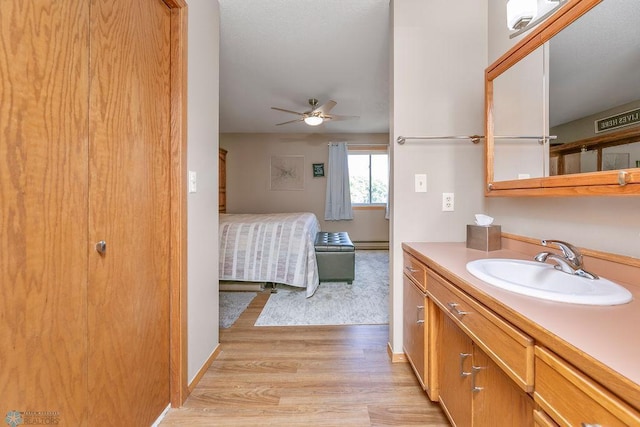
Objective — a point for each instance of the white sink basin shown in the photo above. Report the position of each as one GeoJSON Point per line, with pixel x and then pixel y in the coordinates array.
{"type": "Point", "coordinates": [541, 280]}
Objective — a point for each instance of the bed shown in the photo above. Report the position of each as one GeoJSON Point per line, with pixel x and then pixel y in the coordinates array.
{"type": "Point", "coordinates": [272, 248]}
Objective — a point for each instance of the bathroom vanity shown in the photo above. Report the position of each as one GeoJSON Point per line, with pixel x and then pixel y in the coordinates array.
{"type": "Point", "coordinates": [486, 353]}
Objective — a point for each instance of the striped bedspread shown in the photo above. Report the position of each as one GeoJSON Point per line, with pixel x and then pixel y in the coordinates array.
{"type": "Point", "coordinates": [274, 248]}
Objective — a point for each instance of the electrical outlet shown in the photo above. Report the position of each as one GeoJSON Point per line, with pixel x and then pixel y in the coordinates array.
{"type": "Point", "coordinates": [447, 202]}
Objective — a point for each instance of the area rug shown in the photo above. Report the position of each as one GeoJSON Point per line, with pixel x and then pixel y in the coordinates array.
{"type": "Point", "coordinates": [365, 302]}
{"type": "Point", "coordinates": [232, 305]}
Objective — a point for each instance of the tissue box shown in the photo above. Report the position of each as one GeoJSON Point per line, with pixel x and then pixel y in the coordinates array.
{"type": "Point", "coordinates": [484, 238]}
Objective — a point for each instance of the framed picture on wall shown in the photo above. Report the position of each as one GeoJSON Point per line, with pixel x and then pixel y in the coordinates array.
{"type": "Point", "coordinates": [287, 173]}
{"type": "Point", "coordinates": [318, 170]}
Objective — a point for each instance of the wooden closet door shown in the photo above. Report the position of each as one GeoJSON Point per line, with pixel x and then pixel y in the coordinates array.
{"type": "Point", "coordinates": [129, 130]}
{"type": "Point", "coordinates": [43, 209]}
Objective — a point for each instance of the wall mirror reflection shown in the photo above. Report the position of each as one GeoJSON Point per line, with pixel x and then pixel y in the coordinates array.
{"type": "Point", "coordinates": [594, 90]}
{"type": "Point", "coordinates": [580, 87]}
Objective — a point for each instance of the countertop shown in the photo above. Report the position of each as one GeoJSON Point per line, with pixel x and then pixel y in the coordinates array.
{"type": "Point", "coordinates": [603, 341]}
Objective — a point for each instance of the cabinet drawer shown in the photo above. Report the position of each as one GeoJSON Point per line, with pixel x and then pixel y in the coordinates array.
{"type": "Point", "coordinates": [540, 419]}
{"type": "Point", "coordinates": [571, 398]}
{"type": "Point", "coordinates": [509, 348]}
{"type": "Point", "coordinates": [416, 270]}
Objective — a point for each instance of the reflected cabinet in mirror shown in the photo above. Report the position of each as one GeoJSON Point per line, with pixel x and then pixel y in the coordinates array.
{"type": "Point", "coordinates": [563, 105]}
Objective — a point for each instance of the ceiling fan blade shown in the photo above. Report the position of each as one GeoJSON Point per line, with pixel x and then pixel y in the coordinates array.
{"type": "Point", "coordinates": [326, 107]}
{"type": "Point", "coordinates": [290, 121]}
{"type": "Point", "coordinates": [287, 111]}
{"type": "Point", "coordinates": [335, 118]}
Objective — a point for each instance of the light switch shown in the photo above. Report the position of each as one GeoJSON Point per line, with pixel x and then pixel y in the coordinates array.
{"type": "Point", "coordinates": [193, 180]}
{"type": "Point", "coordinates": [421, 183]}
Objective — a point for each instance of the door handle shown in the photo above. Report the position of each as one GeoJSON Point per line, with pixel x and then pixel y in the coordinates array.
{"type": "Point", "coordinates": [101, 247]}
{"type": "Point", "coordinates": [419, 308]}
{"type": "Point", "coordinates": [474, 372]}
{"type": "Point", "coordinates": [463, 356]}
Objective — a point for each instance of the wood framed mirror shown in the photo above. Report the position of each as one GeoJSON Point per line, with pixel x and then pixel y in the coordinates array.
{"type": "Point", "coordinates": [574, 127]}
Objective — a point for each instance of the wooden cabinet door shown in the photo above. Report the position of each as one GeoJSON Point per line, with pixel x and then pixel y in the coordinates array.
{"type": "Point", "coordinates": [43, 209]}
{"type": "Point", "coordinates": [454, 371]}
{"type": "Point", "coordinates": [414, 332]}
{"type": "Point", "coordinates": [129, 209]}
{"type": "Point", "coordinates": [496, 397]}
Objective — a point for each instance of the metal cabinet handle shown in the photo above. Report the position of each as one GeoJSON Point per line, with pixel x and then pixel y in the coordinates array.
{"type": "Point", "coordinates": [453, 307]}
{"type": "Point", "coordinates": [463, 356]}
{"type": "Point", "coordinates": [411, 269]}
{"type": "Point", "coordinates": [419, 308]}
{"type": "Point", "coordinates": [474, 372]}
{"type": "Point", "coordinates": [590, 425]}
{"type": "Point", "coordinates": [101, 247]}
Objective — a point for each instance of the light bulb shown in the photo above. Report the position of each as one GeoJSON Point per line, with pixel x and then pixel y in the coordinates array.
{"type": "Point", "coordinates": [313, 120]}
{"type": "Point", "coordinates": [520, 13]}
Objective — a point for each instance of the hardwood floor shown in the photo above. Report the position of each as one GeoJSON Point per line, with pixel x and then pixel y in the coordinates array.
{"type": "Point", "coordinates": [305, 375]}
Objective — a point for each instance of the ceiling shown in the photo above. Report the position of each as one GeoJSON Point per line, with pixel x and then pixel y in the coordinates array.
{"type": "Point", "coordinates": [594, 64]}
{"type": "Point", "coordinates": [280, 53]}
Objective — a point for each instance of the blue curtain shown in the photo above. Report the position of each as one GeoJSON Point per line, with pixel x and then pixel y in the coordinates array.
{"type": "Point", "coordinates": [338, 201]}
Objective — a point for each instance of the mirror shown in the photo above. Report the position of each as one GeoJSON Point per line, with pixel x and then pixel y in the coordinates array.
{"type": "Point", "coordinates": [591, 57]}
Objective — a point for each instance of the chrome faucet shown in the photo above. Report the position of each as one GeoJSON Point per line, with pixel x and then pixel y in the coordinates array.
{"type": "Point", "coordinates": [570, 262]}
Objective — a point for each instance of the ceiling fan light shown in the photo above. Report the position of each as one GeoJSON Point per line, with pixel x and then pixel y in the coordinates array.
{"type": "Point", "coordinates": [313, 120]}
{"type": "Point", "coordinates": [520, 13]}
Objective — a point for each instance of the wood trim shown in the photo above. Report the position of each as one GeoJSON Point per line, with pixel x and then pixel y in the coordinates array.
{"type": "Point", "coordinates": [489, 146]}
{"type": "Point", "coordinates": [585, 184]}
{"type": "Point", "coordinates": [572, 10]}
{"type": "Point", "coordinates": [602, 178]}
{"type": "Point", "coordinates": [204, 368]}
{"type": "Point", "coordinates": [372, 147]}
{"type": "Point", "coordinates": [579, 190]}
{"type": "Point", "coordinates": [396, 357]}
{"type": "Point", "coordinates": [368, 207]}
{"type": "Point", "coordinates": [606, 256]}
{"type": "Point", "coordinates": [178, 255]}
{"type": "Point", "coordinates": [611, 139]}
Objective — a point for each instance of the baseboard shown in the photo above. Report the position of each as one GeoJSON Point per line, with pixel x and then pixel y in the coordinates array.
{"type": "Point", "coordinates": [241, 286]}
{"type": "Point", "coordinates": [396, 357]}
{"type": "Point", "coordinates": [372, 245]}
{"type": "Point", "coordinates": [204, 369]}
{"type": "Point", "coordinates": [157, 422]}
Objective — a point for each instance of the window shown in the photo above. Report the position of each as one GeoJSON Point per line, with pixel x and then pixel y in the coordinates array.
{"type": "Point", "coordinates": [368, 177]}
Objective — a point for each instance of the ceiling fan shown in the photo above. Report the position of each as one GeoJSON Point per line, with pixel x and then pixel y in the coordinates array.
{"type": "Point", "coordinates": [317, 115]}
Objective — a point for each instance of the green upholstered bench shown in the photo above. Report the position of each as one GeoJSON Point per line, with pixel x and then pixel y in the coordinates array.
{"type": "Point", "coordinates": [336, 256]}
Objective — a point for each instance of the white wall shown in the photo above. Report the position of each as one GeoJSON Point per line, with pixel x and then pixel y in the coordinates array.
{"type": "Point", "coordinates": [202, 128]}
{"type": "Point", "coordinates": [439, 53]}
{"type": "Point", "coordinates": [607, 224]}
{"type": "Point", "coordinates": [248, 172]}
{"type": "Point", "coordinates": [525, 83]}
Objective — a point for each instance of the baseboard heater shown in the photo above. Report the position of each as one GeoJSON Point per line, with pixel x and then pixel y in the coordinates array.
{"type": "Point", "coordinates": [380, 245]}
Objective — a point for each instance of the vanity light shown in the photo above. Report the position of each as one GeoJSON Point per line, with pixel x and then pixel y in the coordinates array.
{"type": "Point", "coordinates": [313, 120]}
{"type": "Point", "coordinates": [520, 13]}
